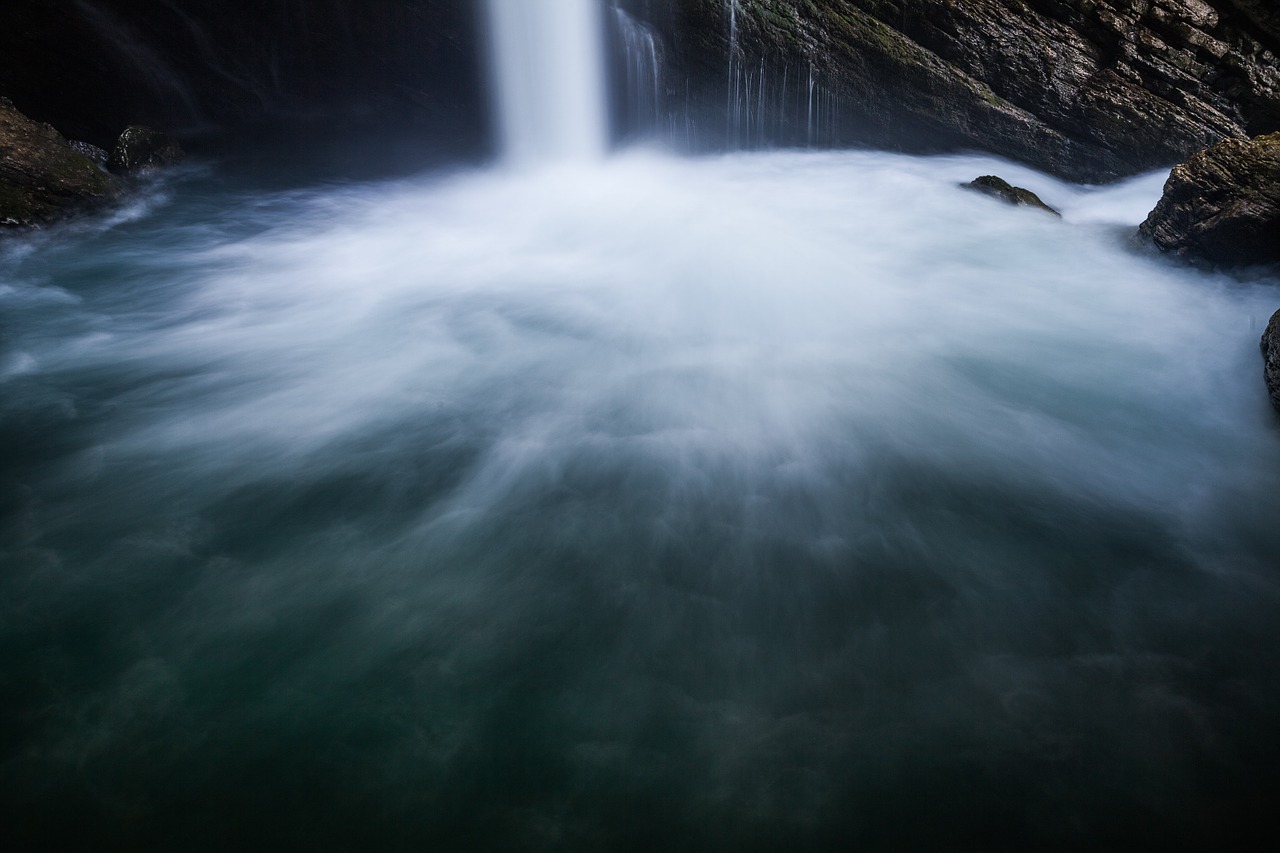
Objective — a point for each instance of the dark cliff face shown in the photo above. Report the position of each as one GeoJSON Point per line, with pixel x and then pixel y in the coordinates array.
{"type": "Point", "coordinates": [205, 67]}
{"type": "Point", "coordinates": [1088, 89]}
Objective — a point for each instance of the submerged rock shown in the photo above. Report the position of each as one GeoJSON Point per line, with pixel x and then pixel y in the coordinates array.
{"type": "Point", "coordinates": [1223, 205]}
{"type": "Point", "coordinates": [141, 148]}
{"type": "Point", "coordinates": [41, 176]}
{"type": "Point", "coordinates": [1002, 189]}
{"type": "Point", "coordinates": [1271, 356]}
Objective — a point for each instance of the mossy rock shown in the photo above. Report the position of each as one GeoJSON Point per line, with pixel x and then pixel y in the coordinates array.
{"type": "Point", "coordinates": [997, 187]}
{"type": "Point", "coordinates": [41, 176]}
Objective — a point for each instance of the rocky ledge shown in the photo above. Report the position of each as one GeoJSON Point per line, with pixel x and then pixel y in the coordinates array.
{"type": "Point", "coordinates": [41, 176]}
{"type": "Point", "coordinates": [44, 177]}
{"type": "Point", "coordinates": [1223, 205]}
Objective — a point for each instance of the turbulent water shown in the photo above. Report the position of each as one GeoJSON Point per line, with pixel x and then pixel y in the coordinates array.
{"type": "Point", "coordinates": [766, 502]}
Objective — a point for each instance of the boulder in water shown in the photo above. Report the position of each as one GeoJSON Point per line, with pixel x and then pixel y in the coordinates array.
{"type": "Point", "coordinates": [1223, 205]}
{"type": "Point", "coordinates": [1002, 189]}
{"type": "Point", "coordinates": [141, 148]}
{"type": "Point", "coordinates": [1271, 355]}
{"type": "Point", "coordinates": [41, 176]}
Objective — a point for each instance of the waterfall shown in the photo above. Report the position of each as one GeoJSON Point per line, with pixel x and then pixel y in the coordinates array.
{"type": "Point", "coordinates": [548, 69]}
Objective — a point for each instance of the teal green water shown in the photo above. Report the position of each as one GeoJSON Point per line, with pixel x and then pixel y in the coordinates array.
{"type": "Point", "coordinates": [768, 502]}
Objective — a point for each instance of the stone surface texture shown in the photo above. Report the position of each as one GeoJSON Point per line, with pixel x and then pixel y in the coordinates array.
{"type": "Point", "coordinates": [41, 177]}
{"type": "Point", "coordinates": [141, 148]}
{"type": "Point", "coordinates": [1091, 90]}
{"type": "Point", "coordinates": [1222, 206]}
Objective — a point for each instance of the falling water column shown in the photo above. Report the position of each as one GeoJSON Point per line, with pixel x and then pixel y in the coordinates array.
{"type": "Point", "coordinates": [549, 70]}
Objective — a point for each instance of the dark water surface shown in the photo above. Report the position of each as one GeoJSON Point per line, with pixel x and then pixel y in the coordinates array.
{"type": "Point", "coordinates": [770, 502]}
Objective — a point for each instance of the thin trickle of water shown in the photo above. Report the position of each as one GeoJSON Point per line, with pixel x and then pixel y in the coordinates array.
{"type": "Point", "coordinates": [809, 103]}
{"type": "Point", "coordinates": [731, 12]}
{"type": "Point", "coordinates": [767, 106]}
{"type": "Point", "coordinates": [733, 94]}
{"type": "Point", "coordinates": [642, 57]}
{"type": "Point", "coordinates": [760, 110]}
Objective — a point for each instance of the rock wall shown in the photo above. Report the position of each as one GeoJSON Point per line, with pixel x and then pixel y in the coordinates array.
{"type": "Point", "coordinates": [201, 67]}
{"type": "Point", "coordinates": [1088, 89]}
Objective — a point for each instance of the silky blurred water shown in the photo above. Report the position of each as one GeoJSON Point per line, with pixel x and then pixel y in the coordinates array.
{"type": "Point", "coordinates": [784, 501]}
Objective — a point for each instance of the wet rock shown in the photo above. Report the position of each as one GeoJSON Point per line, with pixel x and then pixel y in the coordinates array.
{"type": "Point", "coordinates": [1271, 356]}
{"type": "Point", "coordinates": [1090, 90]}
{"type": "Point", "coordinates": [141, 148]}
{"type": "Point", "coordinates": [1223, 205]}
{"type": "Point", "coordinates": [88, 149]}
{"type": "Point", "coordinates": [41, 176]}
{"type": "Point", "coordinates": [1262, 13]}
{"type": "Point", "coordinates": [1003, 190]}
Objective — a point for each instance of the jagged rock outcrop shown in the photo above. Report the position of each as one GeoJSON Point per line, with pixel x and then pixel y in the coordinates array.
{"type": "Point", "coordinates": [1088, 89]}
{"type": "Point", "coordinates": [41, 177]}
{"type": "Point", "coordinates": [141, 148]}
{"type": "Point", "coordinates": [1271, 358]}
{"type": "Point", "coordinates": [1223, 205]}
{"type": "Point", "coordinates": [998, 187]}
